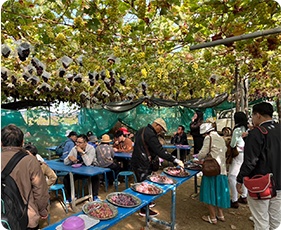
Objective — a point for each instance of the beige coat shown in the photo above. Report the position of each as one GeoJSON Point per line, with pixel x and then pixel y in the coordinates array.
{"type": "Point", "coordinates": [49, 173]}
{"type": "Point", "coordinates": [29, 177]}
{"type": "Point", "coordinates": [218, 149]}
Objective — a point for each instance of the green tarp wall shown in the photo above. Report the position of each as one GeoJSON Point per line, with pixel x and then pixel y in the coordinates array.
{"type": "Point", "coordinates": [45, 129]}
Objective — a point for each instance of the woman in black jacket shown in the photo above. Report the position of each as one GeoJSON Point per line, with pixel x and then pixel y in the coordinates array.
{"type": "Point", "coordinates": [198, 138]}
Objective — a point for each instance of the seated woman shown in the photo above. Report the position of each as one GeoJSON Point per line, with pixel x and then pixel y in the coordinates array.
{"type": "Point", "coordinates": [105, 155]}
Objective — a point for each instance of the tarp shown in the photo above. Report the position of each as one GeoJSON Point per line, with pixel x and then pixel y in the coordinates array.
{"type": "Point", "coordinates": [124, 106]}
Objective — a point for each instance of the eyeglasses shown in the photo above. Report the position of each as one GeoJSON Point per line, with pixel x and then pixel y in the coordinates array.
{"type": "Point", "coordinates": [78, 142]}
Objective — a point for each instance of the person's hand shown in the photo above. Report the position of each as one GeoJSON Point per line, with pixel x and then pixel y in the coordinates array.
{"type": "Point", "coordinates": [29, 153]}
{"type": "Point", "coordinates": [244, 134]}
{"type": "Point", "coordinates": [239, 188]}
{"type": "Point", "coordinates": [115, 149]}
{"type": "Point", "coordinates": [73, 159]}
{"type": "Point", "coordinates": [79, 150]}
{"type": "Point", "coordinates": [116, 143]}
{"type": "Point", "coordinates": [175, 133]}
{"type": "Point", "coordinates": [181, 164]}
{"type": "Point", "coordinates": [131, 135]}
{"type": "Point", "coordinates": [44, 217]}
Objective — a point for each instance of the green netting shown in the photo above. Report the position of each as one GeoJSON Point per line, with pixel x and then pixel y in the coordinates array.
{"type": "Point", "coordinates": [45, 129]}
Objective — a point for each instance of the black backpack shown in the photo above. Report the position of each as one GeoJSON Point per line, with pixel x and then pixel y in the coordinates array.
{"type": "Point", "coordinates": [13, 209]}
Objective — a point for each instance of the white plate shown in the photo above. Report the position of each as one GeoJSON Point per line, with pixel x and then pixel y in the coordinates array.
{"type": "Point", "coordinates": [89, 222]}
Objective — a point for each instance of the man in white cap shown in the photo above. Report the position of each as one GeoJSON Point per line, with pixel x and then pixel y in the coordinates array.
{"type": "Point", "coordinates": [147, 143]}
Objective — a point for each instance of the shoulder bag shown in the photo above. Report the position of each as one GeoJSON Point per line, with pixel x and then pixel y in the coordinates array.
{"type": "Point", "coordinates": [262, 187]}
{"type": "Point", "coordinates": [154, 162]}
{"type": "Point", "coordinates": [210, 165]}
{"type": "Point", "coordinates": [230, 153]}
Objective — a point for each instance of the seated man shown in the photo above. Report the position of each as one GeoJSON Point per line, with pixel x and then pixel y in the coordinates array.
{"type": "Point", "coordinates": [93, 140]}
{"type": "Point", "coordinates": [105, 155]}
{"type": "Point", "coordinates": [86, 154]}
{"type": "Point", "coordinates": [70, 143]}
{"type": "Point", "coordinates": [122, 144]}
{"type": "Point", "coordinates": [180, 138]}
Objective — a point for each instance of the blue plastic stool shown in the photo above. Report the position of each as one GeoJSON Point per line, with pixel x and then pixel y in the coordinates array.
{"type": "Point", "coordinates": [57, 187]}
{"type": "Point", "coordinates": [126, 174]}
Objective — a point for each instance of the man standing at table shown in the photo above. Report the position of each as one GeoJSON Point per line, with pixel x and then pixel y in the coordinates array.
{"type": "Point", "coordinates": [27, 174]}
{"type": "Point", "coordinates": [180, 138]}
{"type": "Point", "coordinates": [147, 138]}
{"type": "Point", "coordinates": [86, 154]}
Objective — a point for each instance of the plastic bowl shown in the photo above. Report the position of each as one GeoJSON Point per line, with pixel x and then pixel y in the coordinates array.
{"type": "Point", "coordinates": [76, 165]}
{"type": "Point", "coordinates": [73, 223]}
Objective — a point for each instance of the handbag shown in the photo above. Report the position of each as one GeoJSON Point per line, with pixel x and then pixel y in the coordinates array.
{"type": "Point", "coordinates": [210, 165]}
{"type": "Point", "coordinates": [154, 162]}
{"type": "Point", "coordinates": [230, 153]}
{"type": "Point", "coordinates": [261, 187]}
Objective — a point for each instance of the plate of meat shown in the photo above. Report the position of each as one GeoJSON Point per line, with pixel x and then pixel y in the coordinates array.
{"type": "Point", "coordinates": [146, 188]}
{"type": "Point", "coordinates": [124, 200]}
{"type": "Point", "coordinates": [100, 210]}
{"type": "Point", "coordinates": [176, 172]}
{"type": "Point", "coordinates": [161, 179]}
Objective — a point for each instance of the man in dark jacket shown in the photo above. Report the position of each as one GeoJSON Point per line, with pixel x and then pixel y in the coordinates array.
{"type": "Point", "coordinates": [180, 138]}
{"type": "Point", "coordinates": [140, 161]}
{"type": "Point", "coordinates": [266, 213]}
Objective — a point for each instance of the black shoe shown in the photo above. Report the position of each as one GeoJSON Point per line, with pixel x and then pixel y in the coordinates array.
{"type": "Point", "coordinates": [151, 213]}
{"type": "Point", "coordinates": [234, 204]}
{"type": "Point", "coordinates": [243, 200]}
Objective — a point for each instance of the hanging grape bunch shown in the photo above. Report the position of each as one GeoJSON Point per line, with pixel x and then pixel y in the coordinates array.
{"type": "Point", "coordinates": [208, 56]}
{"type": "Point", "coordinates": [126, 30]}
{"type": "Point", "coordinates": [229, 58]}
{"type": "Point", "coordinates": [79, 24]}
{"type": "Point", "coordinates": [263, 11]}
{"type": "Point", "coordinates": [141, 4]}
{"type": "Point", "coordinates": [113, 10]}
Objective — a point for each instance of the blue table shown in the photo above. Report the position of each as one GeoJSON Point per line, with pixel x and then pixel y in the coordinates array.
{"type": "Point", "coordinates": [83, 170]}
{"type": "Point", "coordinates": [146, 199]}
{"type": "Point", "coordinates": [53, 148]}
{"type": "Point", "coordinates": [123, 155]}
{"type": "Point", "coordinates": [177, 147]}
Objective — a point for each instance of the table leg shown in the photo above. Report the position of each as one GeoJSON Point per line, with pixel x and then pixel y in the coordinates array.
{"type": "Point", "coordinates": [90, 188]}
{"type": "Point", "coordinates": [173, 209]}
{"type": "Point", "coordinates": [147, 214]}
{"type": "Point", "coordinates": [49, 154]}
{"type": "Point", "coordinates": [72, 186]}
{"type": "Point", "coordinates": [178, 154]}
{"type": "Point", "coordinates": [195, 183]}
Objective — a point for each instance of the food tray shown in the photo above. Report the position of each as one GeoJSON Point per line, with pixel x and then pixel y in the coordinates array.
{"type": "Point", "coordinates": [166, 170]}
{"type": "Point", "coordinates": [134, 188]}
{"type": "Point", "coordinates": [88, 211]}
{"type": "Point", "coordinates": [109, 196]}
{"type": "Point", "coordinates": [162, 183]}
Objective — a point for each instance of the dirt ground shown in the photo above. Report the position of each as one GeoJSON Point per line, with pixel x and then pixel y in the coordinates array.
{"type": "Point", "coordinates": [188, 211]}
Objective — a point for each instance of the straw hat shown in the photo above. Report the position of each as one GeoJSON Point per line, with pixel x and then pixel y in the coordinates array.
{"type": "Point", "coordinates": [206, 127]}
{"type": "Point", "coordinates": [162, 123]}
{"type": "Point", "coordinates": [105, 138]}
